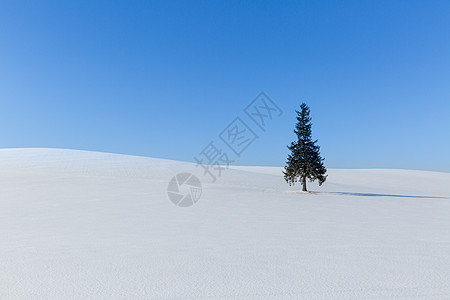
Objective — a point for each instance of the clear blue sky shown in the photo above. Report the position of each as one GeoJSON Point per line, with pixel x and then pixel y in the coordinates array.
{"type": "Point", "coordinates": [163, 78]}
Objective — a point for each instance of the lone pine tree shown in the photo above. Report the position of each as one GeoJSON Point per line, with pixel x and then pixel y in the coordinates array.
{"type": "Point", "coordinates": [304, 161]}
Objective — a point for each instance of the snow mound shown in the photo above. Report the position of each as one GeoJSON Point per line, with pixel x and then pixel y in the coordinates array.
{"type": "Point", "coordinates": [88, 225]}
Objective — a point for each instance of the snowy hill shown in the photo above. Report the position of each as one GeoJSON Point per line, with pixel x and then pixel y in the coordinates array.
{"type": "Point", "coordinates": [88, 225]}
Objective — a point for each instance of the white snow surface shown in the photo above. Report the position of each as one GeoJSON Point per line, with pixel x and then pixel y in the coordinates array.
{"type": "Point", "coordinates": [89, 225]}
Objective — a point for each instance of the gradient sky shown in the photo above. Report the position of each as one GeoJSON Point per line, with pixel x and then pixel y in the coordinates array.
{"type": "Point", "coordinates": [164, 78]}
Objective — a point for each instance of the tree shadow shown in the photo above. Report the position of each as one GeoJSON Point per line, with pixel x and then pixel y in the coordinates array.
{"type": "Point", "coordinates": [387, 195]}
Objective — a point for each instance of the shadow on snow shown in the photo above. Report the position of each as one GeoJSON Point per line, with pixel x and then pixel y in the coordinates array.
{"type": "Point", "coordinates": [385, 195]}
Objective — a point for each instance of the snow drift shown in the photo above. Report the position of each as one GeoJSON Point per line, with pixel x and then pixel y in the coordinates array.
{"type": "Point", "coordinates": [87, 225]}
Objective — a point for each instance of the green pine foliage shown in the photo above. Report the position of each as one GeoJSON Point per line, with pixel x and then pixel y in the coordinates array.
{"type": "Point", "coordinates": [304, 161]}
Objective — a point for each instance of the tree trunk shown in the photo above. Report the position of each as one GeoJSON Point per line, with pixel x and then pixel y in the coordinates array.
{"type": "Point", "coordinates": [304, 184]}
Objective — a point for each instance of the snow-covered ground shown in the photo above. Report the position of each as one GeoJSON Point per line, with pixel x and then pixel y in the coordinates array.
{"type": "Point", "coordinates": [87, 225]}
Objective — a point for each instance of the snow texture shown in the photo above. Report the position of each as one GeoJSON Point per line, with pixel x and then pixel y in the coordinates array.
{"type": "Point", "coordinates": [88, 225]}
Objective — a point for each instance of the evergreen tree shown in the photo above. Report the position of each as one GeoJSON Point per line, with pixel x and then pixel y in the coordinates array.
{"type": "Point", "coordinates": [304, 161]}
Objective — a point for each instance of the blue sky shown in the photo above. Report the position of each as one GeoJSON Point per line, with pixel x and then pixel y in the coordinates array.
{"type": "Point", "coordinates": [164, 78]}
